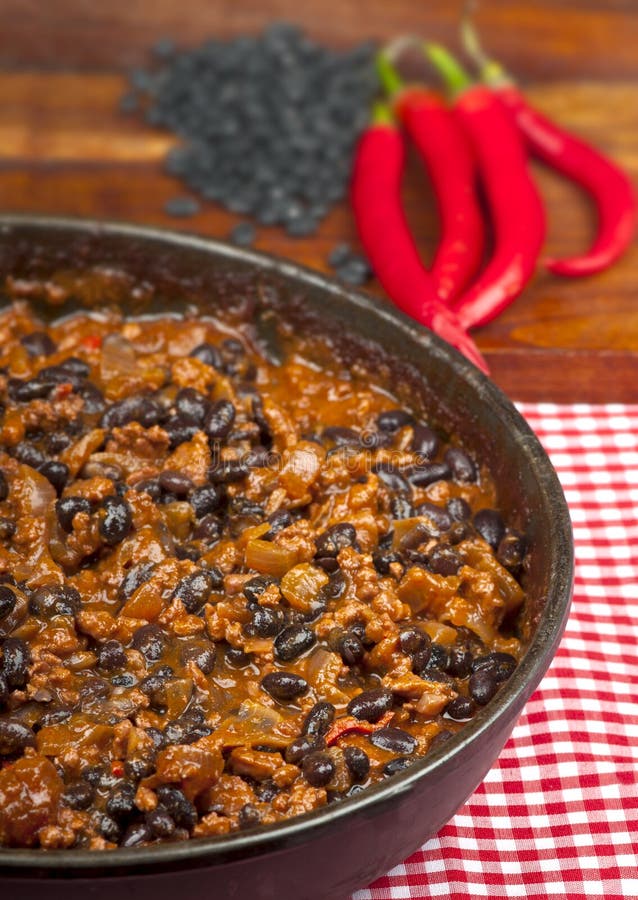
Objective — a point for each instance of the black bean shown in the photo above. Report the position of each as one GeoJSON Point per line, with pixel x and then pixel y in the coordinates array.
{"type": "Point", "coordinates": [117, 521]}
{"type": "Point", "coordinates": [299, 748]}
{"type": "Point", "coordinates": [202, 656]}
{"type": "Point", "coordinates": [459, 662]}
{"type": "Point", "coordinates": [120, 803]}
{"type": "Point", "coordinates": [55, 716]}
{"type": "Point", "coordinates": [219, 420]}
{"type": "Point", "coordinates": [57, 473]}
{"type": "Point", "coordinates": [383, 559]}
{"type": "Point", "coordinates": [350, 648]}
{"type": "Point", "coordinates": [94, 402]}
{"type": "Point", "coordinates": [15, 662]}
{"type": "Point", "coordinates": [192, 405]}
{"type": "Point", "coordinates": [29, 455]}
{"type": "Point", "coordinates": [284, 685]}
{"type": "Point", "coordinates": [194, 589]}
{"type": "Point", "coordinates": [75, 366]}
{"type": "Point", "coordinates": [460, 709]}
{"type": "Point", "coordinates": [34, 389]}
{"type": "Point", "coordinates": [392, 478]}
{"type": "Point", "coordinates": [439, 516]}
{"type": "Point", "coordinates": [179, 430]}
{"type": "Point", "coordinates": [358, 763]}
{"type": "Point", "coordinates": [427, 474]}
{"type": "Point", "coordinates": [228, 471]}
{"type": "Point", "coordinates": [209, 355]}
{"type": "Point", "coordinates": [136, 408]}
{"type": "Point", "coordinates": [160, 823]}
{"type": "Point", "coordinates": [394, 419]}
{"type": "Point", "coordinates": [178, 806]}
{"type": "Point", "coordinates": [208, 529]}
{"type": "Point", "coordinates": [243, 234]}
{"type": "Point", "coordinates": [55, 600]}
{"type": "Point", "coordinates": [489, 524]}
{"type": "Point", "coordinates": [7, 601]}
{"type": "Point", "coordinates": [292, 641]}
{"type": "Point", "coordinates": [38, 343]}
{"type": "Point", "coordinates": [266, 622]}
{"type": "Point", "coordinates": [340, 436]}
{"type": "Point", "coordinates": [355, 271]}
{"type": "Point", "coordinates": [482, 686]}
{"type": "Point", "coordinates": [136, 834]}
{"type": "Point", "coordinates": [500, 665]}
{"type": "Point", "coordinates": [396, 765]}
{"type": "Point", "coordinates": [318, 720]}
{"type": "Point", "coordinates": [206, 499]}
{"type": "Point", "coordinates": [395, 740]}
{"type": "Point", "coordinates": [439, 657]}
{"type": "Point", "coordinates": [462, 466]}
{"type": "Point", "coordinates": [94, 689]}
{"type": "Point", "coordinates": [249, 817]}
{"type": "Point", "coordinates": [459, 509]}
{"type": "Point", "coordinates": [339, 254]}
{"type": "Point", "coordinates": [111, 656]}
{"type": "Point", "coordinates": [413, 641]}
{"type": "Point", "coordinates": [401, 508]}
{"type": "Point", "coordinates": [107, 827]}
{"type": "Point", "coordinates": [4, 690]}
{"type": "Point", "coordinates": [266, 791]}
{"type": "Point", "coordinates": [78, 795]}
{"type": "Point", "coordinates": [176, 483]}
{"type": "Point", "coordinates": [4, 486]}
{"type": "Point", "coordinates": [511, 551]}
{"type": "Point", "coordinates": [425, 443]}
{"type": "Point", "coordinates": [237, 658]}
{"type": "Point", "coordinates": [336, 538]}
{"type": "Point", "coordinates": [14, 736]}
{"type": "Point", "coordinates": [443, 560]}
{"type": "Point", "coordinates": [371, 705]}
{"type": "Point", "coordinates": [318, 769]}
{"type": "Point", "coordinates": [182, 207]}
{"type": "Point", "coordinates": [135, 578]}
{"type": "Point", "coordinates": [7, 528]}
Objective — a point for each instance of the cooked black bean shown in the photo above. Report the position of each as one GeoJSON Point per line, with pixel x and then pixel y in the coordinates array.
{"type": "Point", "coordinates": [443, 560]}
{"type": "Point", "coordinates": [228, 471]}
{"type": "Point", "coordinates": [459, 509]}
{"type": "Point", "coordinates": [415, 642]}
{"type": "Point", "coordinates": [194, 589]}
{"type": "Point", "coordinates": [292, 641]}
{"type": "Point", "coordinates": [94, 402]}
{"type": "Point", "coordinates": [160, 823]}
{"type": "Point", "coordinates": [425, 443]}
{"type": "Point", "coordinates": [401, 508]}
{"type": "Point", "coordinates": [192, 405]}
{"type": "Point", "coordinates": [243, 234]}
{"type": "Point", "coordinates": [34, 389]}
{"type": "Point", "coordinates": [395, 740]}
{"type": "Point", "coordinates": [178, 806]}
{"type": "Point", "coordinates": [208, 529]}
{"type": "Point", "coordinates": [136, 834]}
{"type": "Point", "coordinates": [500, 665]}
{"type": "Point", "coordinates": [482, 686]}
{"type": "Point", "coordinates": [439, 657]}
{"type": "Point", "coordinates": [219, 420]}
{"type": "Point", "coordinates": [182, 207]}
{"type": "Point", "coordinates": [209, 355]}
{"type": "Point", "coordinates": [135, 408]}
{"type": "Point", "coordinates": [462, 466]}
{"type": "Point", "coordinates": [120, 803]}
{"type": "Point", "coordinates": [429, 473]}
{"type": "Point", "coordinates": [249, 816]}
{"type": "Point", "coordinates": [511, 551]}
{"type": "Point", "coordinates": [371, 705]}
{"type": "Point", "coordinates": [202, 656]}
{"type": "Point", "coordinates": [135, 578]}
{"type": "Point", "coordinates": [14, 736]}
{"type": "Point", "coordinates": [319, 719]}
{"type": "Point", "coordinates": [7, 528]}
{"type": "Point", "coordinates": [459, 662]}
{"type": "Point", "coordinates": [107, 827]}
{"type": "Point", "coordinates": [394, 419]}
{"type": "Point", "coordinates": [397, 765]}
{"type": "Point", "coordinates": [78, 795]}
{"type": "Point", "coordinates": [75, 366]}
{"type": "Point", "coordinates": [4, 689]}
{"type": "Point", "coordinates": [117, 521]}
{"type": "Point", "coordinates": [29, 455]}
{"type": "Point", "coordinates": [284, 685]}
{"type": "Point", "coordinates": [254, 587]}
{"type": "Point", "coordinates": [336, 538]}
{"type": "Point", "coordinates": [7, 601]}
{"type": "Point", "coordinates": [350, 648]}
{"type": "Point", "coordinates": [300, 747]}
{"type": "Point", "coordinates": [176, 483]}
{"type": "Point", "coordinates": [392, 478]}
{"type": "Point", "coordinates": [179, 430]}
{"type": "Point", "coordinates": [489, 524]}
{"type": "Point", "coordinates": [15, 662]}
{"type": "Point", "coordinates": [206, 499]}
{"type": "Point", "coordinates": [358, 762]}
{"type": "Point", "coordinates": [57, 473]}
{"type": "Point", "coordinates": [55, 600]}
{"type": "Point", "coordinates": [4, 486]}
{"type": "Point", "coordinates": [383, 559]}
{"type": "Point", "coordinates": [439, 516]}
{"type": "Point", "coordinates": [318, 769]}
{"type": "Point", "coordinates": [111, 656]}
{"type": "Point", "coordinates": [38, 343]}
{"type": "Point", "coordinates": [340, 436]}
{"type": "Point", "coordinates": [265, 622]}
{"type": "Point", "coordinates": [460, 709]}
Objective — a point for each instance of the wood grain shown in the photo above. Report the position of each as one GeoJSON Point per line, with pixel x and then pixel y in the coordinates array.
{"type": "Point", "coordinates": [65, 149]}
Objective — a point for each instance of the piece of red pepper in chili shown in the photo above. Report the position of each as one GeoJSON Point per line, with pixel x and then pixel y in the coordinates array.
{"type": "Point", "coordinates": [350, 725]}
{"type": "Point", "coordinates": [515, 205]}
{"type": "Point", "coordinates": [386, 236]}
{"type": "Point", "coordinates": [448, 160]}
{"type": "Point", "coordinates": [610, 188]}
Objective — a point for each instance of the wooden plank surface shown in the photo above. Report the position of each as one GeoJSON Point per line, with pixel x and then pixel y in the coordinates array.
{"type": "Point", "coordinates": [65, 149]}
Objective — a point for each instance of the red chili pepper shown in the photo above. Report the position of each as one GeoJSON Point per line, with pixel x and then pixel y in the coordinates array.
{"type": "Point", "coordinates": [609, 187]}
{"type": "Point", "coordinates": [516, 208]}
{"type": "Point", "coordinates": [92, 341]}
{"type": "Point", "coordinates": [450, 164]}
{"type": "Point", "coordinates": [350, 725]}
{"type": "Point", "coordinates": [386, 236]}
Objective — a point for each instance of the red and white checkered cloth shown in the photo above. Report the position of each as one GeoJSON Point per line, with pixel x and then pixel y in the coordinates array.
{"type": "Point", "coordinates": [557, 816]}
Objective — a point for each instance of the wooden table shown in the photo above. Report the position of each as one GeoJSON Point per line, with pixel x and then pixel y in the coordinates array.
{"type": "Point", "coordinates": [65, 149]}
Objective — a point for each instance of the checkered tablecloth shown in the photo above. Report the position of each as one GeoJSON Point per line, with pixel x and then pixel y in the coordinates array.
{"type": "Point", "coordinates": [557, 816]}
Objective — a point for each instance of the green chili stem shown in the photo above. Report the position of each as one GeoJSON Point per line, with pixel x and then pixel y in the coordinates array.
{"type": "Point", "coordinates": [389, 77]}
{"type": "Point", "coordinates": [449, 68]}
